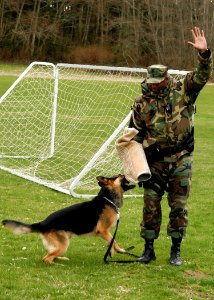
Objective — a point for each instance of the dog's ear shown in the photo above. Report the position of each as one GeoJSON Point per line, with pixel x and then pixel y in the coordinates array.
{"type": "Point", "coordinates": [101, 180]}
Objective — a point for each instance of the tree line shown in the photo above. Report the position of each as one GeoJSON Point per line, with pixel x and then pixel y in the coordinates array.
{"type": "Point", "coordinates": [107, 32]}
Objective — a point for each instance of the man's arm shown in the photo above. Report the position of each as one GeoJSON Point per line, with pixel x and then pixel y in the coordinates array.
{"type": "Point", "coordinates": [204, 68]}
{"type": "Point", "coordinates": [136, 120]}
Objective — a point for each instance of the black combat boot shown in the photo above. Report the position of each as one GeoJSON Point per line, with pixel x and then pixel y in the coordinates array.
{"type": "Point", "coordinates": [175, 258]}
{"type": "Point", "coordinates": [148, 253]}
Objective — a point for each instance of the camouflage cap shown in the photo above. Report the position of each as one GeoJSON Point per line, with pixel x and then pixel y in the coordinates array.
{"type": "Point", "coordinates": [156, 73]}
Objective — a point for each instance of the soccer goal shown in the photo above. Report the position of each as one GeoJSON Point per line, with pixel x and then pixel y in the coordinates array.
{"type": "Point", "coordinates": [59, 123]}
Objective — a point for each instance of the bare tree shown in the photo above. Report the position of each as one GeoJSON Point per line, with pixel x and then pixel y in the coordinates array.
{"type": "Point", "coordinates": [138, 32]}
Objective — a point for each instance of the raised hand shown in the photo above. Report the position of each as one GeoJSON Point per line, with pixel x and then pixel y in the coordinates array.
{"type": "Point", "coordinates": [200, 42]}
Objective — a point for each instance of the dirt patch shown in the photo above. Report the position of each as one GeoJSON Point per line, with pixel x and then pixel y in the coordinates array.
{"type": "Point", "coordinates": [196, 274]}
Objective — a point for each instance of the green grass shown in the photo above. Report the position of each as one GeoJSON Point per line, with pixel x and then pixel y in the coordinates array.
{"type": "Point", "coordinates": [85, 276]}
{"type": "Point", "coordinates": [12, 68]}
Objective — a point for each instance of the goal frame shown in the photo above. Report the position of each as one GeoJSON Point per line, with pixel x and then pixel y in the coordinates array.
{"type": "Point", "coordinates": [102, 149]}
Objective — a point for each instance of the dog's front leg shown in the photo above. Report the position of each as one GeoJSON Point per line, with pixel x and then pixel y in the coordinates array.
{"type": "Point", "coordinates": [117, 248]}
{"type": "Point", "coordinates": [106, 235]}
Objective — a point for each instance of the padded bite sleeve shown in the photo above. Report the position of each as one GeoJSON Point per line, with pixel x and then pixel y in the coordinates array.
{"type": "Point", "coordinates": [133, 157]}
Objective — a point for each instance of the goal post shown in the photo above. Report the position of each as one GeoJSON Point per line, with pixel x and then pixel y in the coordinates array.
{"type": "Point", "coordinates": [59, 124]}
{"type": "Point", "coordinates": [19, 108]}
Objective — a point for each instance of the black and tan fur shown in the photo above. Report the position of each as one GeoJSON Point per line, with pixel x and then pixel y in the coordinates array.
{"type": "Point", "coordinates": [95, 217]}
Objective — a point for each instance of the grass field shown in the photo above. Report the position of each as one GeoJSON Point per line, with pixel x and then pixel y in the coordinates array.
{"type": "Point", "coordinates": [85, 276]}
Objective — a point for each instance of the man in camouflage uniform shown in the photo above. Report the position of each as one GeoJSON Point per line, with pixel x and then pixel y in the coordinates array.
{"type": "Point", "coordinates": [163, 115]}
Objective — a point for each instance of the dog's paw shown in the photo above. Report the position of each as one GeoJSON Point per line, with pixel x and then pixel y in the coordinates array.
{"type": "Point", "coordinates": [120, 250]}
{"type": "Point", "coordinates": [52, 263]}
{"type": "Point", "coordinates": [63, 258]}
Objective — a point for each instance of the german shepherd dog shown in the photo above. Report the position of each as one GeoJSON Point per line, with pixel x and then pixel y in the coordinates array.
{"type": "Point", "coordinates": [95, 217]}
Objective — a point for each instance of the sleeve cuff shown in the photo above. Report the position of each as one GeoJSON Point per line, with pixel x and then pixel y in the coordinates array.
{"type": "Point", "coordinates": [205, 54]}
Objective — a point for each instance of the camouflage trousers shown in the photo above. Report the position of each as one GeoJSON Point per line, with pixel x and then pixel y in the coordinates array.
{"type": "Point", "coordinates": [175, 179]}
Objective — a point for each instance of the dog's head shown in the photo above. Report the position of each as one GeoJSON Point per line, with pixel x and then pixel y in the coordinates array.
{"type": "Point", "coordinates": [114, 187]}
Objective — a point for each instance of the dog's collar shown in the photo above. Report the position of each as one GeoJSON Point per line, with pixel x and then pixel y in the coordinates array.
{"type": "Point", "coordinates": [114, 205]}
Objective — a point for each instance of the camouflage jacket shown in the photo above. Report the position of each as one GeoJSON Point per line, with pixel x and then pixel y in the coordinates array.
{"type": "Point", "coordinates": [167, 118]}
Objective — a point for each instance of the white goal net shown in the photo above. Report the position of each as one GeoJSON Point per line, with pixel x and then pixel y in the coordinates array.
{"type": "Point", "coordinates": [59, 123]}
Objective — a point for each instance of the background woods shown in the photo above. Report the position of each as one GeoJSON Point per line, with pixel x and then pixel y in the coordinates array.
{"type": "Point", "coordinates": [108, 32]}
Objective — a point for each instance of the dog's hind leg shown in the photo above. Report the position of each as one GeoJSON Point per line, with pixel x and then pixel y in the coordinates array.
{"type": "Point", "coordinates": [56, 242]}
{"type": "Point", "coordinates": [67, 236]}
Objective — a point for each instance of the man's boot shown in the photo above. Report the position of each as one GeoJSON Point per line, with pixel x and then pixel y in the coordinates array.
{"type": "Point", "coordinates": [148, 253]}
{"type": "Point", "coordinates": [175, 258]}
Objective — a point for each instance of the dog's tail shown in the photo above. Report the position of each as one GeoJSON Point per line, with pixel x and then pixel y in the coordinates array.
{"type": "Point", "coordinates": [21, 228]}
